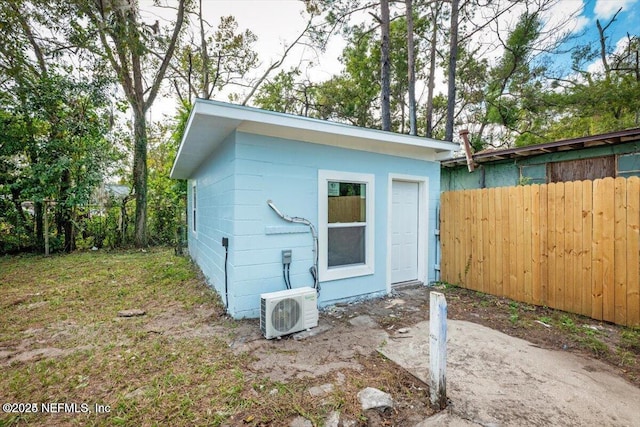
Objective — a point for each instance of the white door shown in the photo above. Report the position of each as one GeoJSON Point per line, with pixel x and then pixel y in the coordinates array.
{"type": "Point", "coordinates": [404, 231]}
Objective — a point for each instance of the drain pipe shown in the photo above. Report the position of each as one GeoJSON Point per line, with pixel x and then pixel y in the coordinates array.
{"type": "Point", "coordinates": [314, 269]}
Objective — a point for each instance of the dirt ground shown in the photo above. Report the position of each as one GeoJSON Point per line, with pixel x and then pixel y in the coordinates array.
{"type": "Point", "coordinates": [346, 341]}
{"type": "Point", "coordinates": [327, 366]}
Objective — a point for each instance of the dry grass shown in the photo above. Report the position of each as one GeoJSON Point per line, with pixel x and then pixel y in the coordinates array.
{"type": "Point", "coordinates": [61, 341]}
{"type": "Point", "coordinates": [70, 304]}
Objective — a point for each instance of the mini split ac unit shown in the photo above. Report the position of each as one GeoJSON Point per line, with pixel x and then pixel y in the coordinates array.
{"type": "Point", "coordinates": [288, 311]}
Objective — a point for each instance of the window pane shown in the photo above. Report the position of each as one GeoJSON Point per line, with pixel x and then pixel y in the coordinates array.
{"type": "Point", "coordinates": [347, 202]}
{"type": "Point", "coordinates": [346, 246]}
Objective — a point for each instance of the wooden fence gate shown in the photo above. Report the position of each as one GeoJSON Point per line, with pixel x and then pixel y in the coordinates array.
{"type": "Point", "coordinates": [573, 246]}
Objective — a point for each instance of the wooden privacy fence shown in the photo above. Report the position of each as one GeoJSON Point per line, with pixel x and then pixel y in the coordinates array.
{"type": "Point", "coordinates": [574, 246]}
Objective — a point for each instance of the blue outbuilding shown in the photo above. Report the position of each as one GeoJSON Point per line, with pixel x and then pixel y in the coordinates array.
{"type": "Point", "coordinates": [278, 201]}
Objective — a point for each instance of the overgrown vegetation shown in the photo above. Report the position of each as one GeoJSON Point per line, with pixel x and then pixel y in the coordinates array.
{"type": "Point", "coordinates": [90, 213]}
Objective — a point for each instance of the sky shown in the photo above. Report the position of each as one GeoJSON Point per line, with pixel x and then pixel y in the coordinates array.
{"type": "Point", "coordinates": [604, 10]}
{"type": "Point", "coordinates": [278, 22]}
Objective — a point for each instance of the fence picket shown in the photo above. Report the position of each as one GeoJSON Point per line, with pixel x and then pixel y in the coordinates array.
{"type": "Point", "coordinates": [620, 249]}
{"type": "Point", "coordinates": [513, 243]}
{"type": "Point", "coordinates": [526, 245]}
{"type": "Point", "coordinates": [608, 262]}
{"type": "Point", "coordinates": [479, 277]}
{"type": "Point", "coordinates": [573, 246]}
{"type": "Point", "coordinates": [544, 248]}
{"type": "Point", "coordinates": [597, 249]}
{"type": "Point", "coordinates": [465, 259]}
{"type": "Point", "coordinates": [498, 230]}
{"type": "Point", "coordinates": [506, 259]}
{"type": "Point", "coordinates": [573, 242]}
{"type": "Point", "coordinates": [491, 229]}
{"type": "Point", "coordinates": [535, 245]}
{"type": "Point", "coordinates": [551, 244]}
{"type": "Point", "coordinates": [633, 251]}
{"type": "Point", "coordinates": [585, 254]}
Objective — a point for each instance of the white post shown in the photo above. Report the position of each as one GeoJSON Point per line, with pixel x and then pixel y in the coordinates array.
{"type": "Point", "coordinates": [438, 350]}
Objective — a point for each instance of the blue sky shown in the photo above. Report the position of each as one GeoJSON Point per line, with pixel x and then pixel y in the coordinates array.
{"type": "Point", "coordinates": [586, 31]}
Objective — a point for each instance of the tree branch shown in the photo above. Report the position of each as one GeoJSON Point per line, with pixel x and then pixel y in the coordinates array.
{"type": "Point", "coordinates": [276, 64]}
{"type": "Point", "coordinates": [153, 92]}
{"type": "Point", "coordinates": [27, 31]}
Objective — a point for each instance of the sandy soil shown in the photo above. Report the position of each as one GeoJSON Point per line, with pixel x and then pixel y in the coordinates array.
{"type": "Point", "coordinates": [553, 381]}
{"type": "Point", "coordinates": [495, 379]}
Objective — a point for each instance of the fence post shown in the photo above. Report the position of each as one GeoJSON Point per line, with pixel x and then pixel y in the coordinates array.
{"type": "Point", "coordinates": [438, 349]}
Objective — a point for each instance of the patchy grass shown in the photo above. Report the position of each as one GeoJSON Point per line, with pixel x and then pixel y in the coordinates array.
{"type": "Point", "coordinates": [61, 341]}
{"type": "Point", "coordinates": [70, 304]}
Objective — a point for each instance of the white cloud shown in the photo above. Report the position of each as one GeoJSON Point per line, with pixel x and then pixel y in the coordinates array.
{"type": "Point", "coordinates": [565, 15]}
{"type": "Point", "coordinates": [605, 9]}
{"type": "Point", "coordinates": [580, 22]}
{"type": "Point", "coordinates": [561, 19]}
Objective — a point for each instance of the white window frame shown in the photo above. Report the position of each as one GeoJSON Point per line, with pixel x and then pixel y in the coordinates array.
{"type": "Point", "coordinates": [194, 201]}
{"type": "Point", "coordinates": [327, 273]}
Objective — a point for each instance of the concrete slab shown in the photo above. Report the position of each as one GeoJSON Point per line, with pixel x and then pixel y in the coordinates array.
{"type": "Point", "coordinates": [495, 379]}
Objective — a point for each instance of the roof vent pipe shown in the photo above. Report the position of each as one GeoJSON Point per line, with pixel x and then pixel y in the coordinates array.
{"type": "Point", "coordinates": [467, 149]}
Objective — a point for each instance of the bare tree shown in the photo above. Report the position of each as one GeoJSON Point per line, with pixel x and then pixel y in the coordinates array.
{"type": "Point", "coordinates": [385, 63]}
{"type": "Point", "coordinates": [433, 51]}
{"type": "Point", "coordinates": [453, 58]}
{"type": "Point", "coordinates": [411, 66]}
{"type": "Point", "coordinates": [603, 39]}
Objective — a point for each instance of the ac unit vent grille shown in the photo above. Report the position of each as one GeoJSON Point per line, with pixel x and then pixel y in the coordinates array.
{"type": "Point", "coordinates": [263, 316]}
{"type": "Point", "coordinates": [285, 315]}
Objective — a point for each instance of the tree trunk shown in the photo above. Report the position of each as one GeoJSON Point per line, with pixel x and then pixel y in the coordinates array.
{"type": "Point", "coordinates": [126, 59]}
{"type": "Point", "coordinates": [39, 212]}
{"type": "Point", "coordinates": [66, 212]}
{"type": "Point", "coordinates": [453, 58]}
{"type": "Point", "coordinates": [432, 67]}
{"type": "Point", "coordinates": [204, 51]}
{"type": "Point", "coordinates": [69, 244]}
{"type": "Point", "coordinates": [385, 95]}
{"type": "Point", "coordinates": [411, 65]}
{"type": "Point", "coordinates": [140, 176]}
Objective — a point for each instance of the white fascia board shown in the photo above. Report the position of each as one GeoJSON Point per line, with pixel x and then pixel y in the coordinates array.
{"type": "Point", "coordinates": [202, 136]}
{"type": "Point", "coordinates": [177, 168]}
{"type": "Point", "coordinates": [256, 120]}
{"type": "Point", "coordinates": [217, 119]}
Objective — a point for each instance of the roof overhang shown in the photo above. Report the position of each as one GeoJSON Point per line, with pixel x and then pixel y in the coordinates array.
{"type": "Point", "coordinates": [211, 122]}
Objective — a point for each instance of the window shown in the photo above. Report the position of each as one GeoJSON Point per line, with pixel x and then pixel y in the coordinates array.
{"type": "Point", "coordinates": [345, 224]}
{"type": "Point", "coordinates": [193, 207]}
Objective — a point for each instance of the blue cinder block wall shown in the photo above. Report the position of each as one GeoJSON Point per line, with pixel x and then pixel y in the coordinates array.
{"type": "Point", "coordinates": [214, 182]}
{"type": "Point", "coordinates": [233, 187]}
